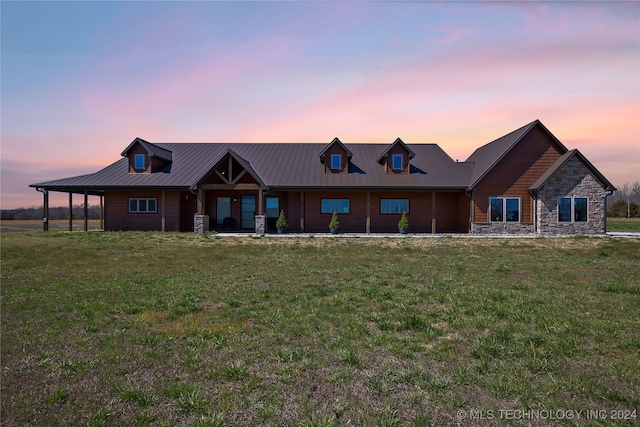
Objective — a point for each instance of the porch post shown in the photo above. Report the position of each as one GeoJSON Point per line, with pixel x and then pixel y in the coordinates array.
{"type": "Point", "coordinates": [70, 211]}
{"type": "Point", "coordinates": [164, 219]}
{"type": "Point", "coordinates": [45, 209]}
{"type": "Point", "coordinates": [101, 214]}
{"type": "Point", "coordinates": [368, 224]}
{"type": "Point", "coordinates": [433, 212]}
{"type": "Point", "coordinates": [302, 211]}
{"type": "Point", "coordinates": [200, 201]}
{"type": "Point", "coordinates": [259, 201]}
{"type": "Point", "coordinates": [86, 211]}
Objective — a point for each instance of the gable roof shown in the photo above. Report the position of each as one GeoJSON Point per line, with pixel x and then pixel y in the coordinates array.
{"type": "Point", "coordinates": [244, 163]}
{"type": "Point", "coordinates": [489, 155]}
{"type": "Point", "coordinates": [152, 149]}
{"type": "Point", "coordinates": [536, 186]}
{"type": "Point", "coordinates": [385, 153]}
{"type": "Point", "coordinates": [338, 142]}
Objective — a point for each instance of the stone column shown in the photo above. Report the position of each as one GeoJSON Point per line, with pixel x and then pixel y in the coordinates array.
{"type": "Point", "coordinates": [200, 223]}
{"type": "Point", "coordinates": [260, 225]}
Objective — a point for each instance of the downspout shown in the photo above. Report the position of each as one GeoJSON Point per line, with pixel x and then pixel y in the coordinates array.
{"type": "Point", "coordinates": [535, 212]}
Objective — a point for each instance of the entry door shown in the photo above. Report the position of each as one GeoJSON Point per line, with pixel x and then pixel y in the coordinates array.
{"type": "Point", "coordinates": [248, 212]}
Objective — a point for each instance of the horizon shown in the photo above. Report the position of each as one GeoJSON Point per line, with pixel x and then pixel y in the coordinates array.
{"type": "Point", "coordinates": [81, 80]}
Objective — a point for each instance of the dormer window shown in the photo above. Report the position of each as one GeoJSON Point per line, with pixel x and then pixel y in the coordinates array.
{"type": "Point", "coordinates": [336, 161]}
{"type": "Point", "coordinates": [139, 161]}
{"type": "Point", "coordinates": [335, 157]}
{"type": "Point", "coordinates": [393, 158]}
{"type": "Point", "coordinates": [397, 162]}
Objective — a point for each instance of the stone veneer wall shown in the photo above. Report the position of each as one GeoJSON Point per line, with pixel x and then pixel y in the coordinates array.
{"type": "Point", "coordinates": [502, 228]}
{"type": "Point", "coordinates": [573, 179]}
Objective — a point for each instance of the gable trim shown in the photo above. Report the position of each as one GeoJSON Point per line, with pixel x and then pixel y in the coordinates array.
{"type": "Point", "coordinates": [541, 182]}
{"type": "Point", "coordinates": [152, 150]}
{"type": "Point", "coordinates": [245, 165]}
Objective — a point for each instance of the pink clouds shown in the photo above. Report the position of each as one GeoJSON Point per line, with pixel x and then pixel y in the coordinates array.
{"type": "Point", "coordinates": [458, 75]}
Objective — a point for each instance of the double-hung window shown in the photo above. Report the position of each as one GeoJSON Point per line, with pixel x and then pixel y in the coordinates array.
{"type": "Point", "coordinates": [139, 161]}
{"type": "Point", "coordinates": [391, 206]}
{"type": "Point", "coordinates": [336, 161]}
{"type": "Point", "coordinates": [572, 209]}
{"type": "Point", "coordinates": [504, 209]}
{"type": "Point", "coordinates": [335, 205]}
{"type": "Point", "coordinates": [142, 205]}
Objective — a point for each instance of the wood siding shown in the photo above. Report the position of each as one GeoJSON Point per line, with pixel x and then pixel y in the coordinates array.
{"type": "Point", "coordinates": [451, 212]}
{"type": "Point", "coordinates": [515, 173]}
{"type": "Point", "coordinates": [118, 217]}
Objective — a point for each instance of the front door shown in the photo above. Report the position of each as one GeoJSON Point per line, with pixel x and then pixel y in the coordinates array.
{"type": "Point", "coordinates": [248, 212]}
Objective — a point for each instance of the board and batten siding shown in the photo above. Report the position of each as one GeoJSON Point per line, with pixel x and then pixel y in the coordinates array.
{"type": "Point", "coordinates": [118, 217]}
{"type": "Point", "coordinates": [515, 173]}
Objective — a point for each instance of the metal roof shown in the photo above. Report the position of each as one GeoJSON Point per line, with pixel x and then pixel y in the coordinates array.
{"type": "Point", "coordinates": [284, 165]}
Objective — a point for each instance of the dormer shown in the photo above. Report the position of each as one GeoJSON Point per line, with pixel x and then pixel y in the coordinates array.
{"type": "Point", "coordinates": [145, 157]}
{"type": "Point", "coordinates": [336, 157]}
{"type": "Point", "coordinates": [395, 159]}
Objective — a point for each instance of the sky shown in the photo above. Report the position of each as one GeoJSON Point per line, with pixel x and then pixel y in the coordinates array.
{"type": "Point", "coordinates": [80, 80]}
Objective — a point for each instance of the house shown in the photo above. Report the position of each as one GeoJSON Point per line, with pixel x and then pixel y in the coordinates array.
{"type": "Point", "coordinates": [526, 182]}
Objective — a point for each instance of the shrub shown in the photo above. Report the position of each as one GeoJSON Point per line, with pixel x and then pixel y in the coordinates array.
{"type": "Point", "coordinates": [403, 224]}
{"type": "Point", "coordinates": [334, 221]}
{"type": "Point", "coordinates": [282, 221]}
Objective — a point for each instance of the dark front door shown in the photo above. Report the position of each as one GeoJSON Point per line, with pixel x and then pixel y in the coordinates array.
{"type": "Point", "coordinates": [248, 212]}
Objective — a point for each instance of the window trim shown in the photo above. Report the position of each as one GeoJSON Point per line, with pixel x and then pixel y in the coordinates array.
{"type": "Point", "coordinates": [393, 161]}
{"type": "Point", "coordinates": [333, 166]}
{"type": "Point", "coordinates": [572, 213]}
{"type": "Point", "coordinates": [147, 200]}
{"type": "Point", "coordinates": [136, 157]}
{"type": "Point", "coordinates": [504, 209]}
{"type": "Point", "coordinates": [390, 212]}
{"type": "Point", "coordinates": [330, 212]}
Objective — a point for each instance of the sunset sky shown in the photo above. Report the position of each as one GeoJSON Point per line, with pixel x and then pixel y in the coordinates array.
{"type": "Point", "coordinates": [81, 80]}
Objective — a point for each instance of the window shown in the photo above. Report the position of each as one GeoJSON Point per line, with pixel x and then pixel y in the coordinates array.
{"type": "Point", "coordinates": [142, 205]}
{"type": "Point", "coordinates": [336, 161]}
{"type": "Point", "coordinates": [139, 161]}
{"type": "Point", "coordinates": [504, 209]}
{"type": "Point", "coordinates": [397, 162]}
{"type": "Point", "coordinates": [390, 206]}
{"type": "Point", "coordinates": [273, 207]}
{"type": "Point", "coordinates": [335, 205]}
{"type": "Point", "coordinates": [572, 209]}
{"type": "Point", "coordinates": [223, 208]}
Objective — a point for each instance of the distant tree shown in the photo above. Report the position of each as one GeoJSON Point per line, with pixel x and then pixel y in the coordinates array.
{"type": "Point", "coordinates": [622, 209]}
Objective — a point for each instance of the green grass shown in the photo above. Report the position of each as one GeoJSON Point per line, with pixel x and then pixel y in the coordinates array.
{"type": "Point", "coordinates": [176, 329]}
{"type": "Point", "coordinates": [623, 224]}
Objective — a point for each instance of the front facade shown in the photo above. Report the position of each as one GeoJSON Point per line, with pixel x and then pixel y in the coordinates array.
{"type": "Point", "coordinates": [526, 182]}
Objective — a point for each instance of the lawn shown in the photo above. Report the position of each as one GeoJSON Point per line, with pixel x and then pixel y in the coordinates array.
{"type": "Point", "coordinates": [173, 329]}
{"type": "Point", "coordinates": [623, 224]}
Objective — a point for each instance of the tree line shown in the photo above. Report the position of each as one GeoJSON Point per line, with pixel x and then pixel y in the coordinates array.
{"type": "Point", "coordinates": [62, 212]}
{"type": "Point", "coordinates": [625, 201]}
